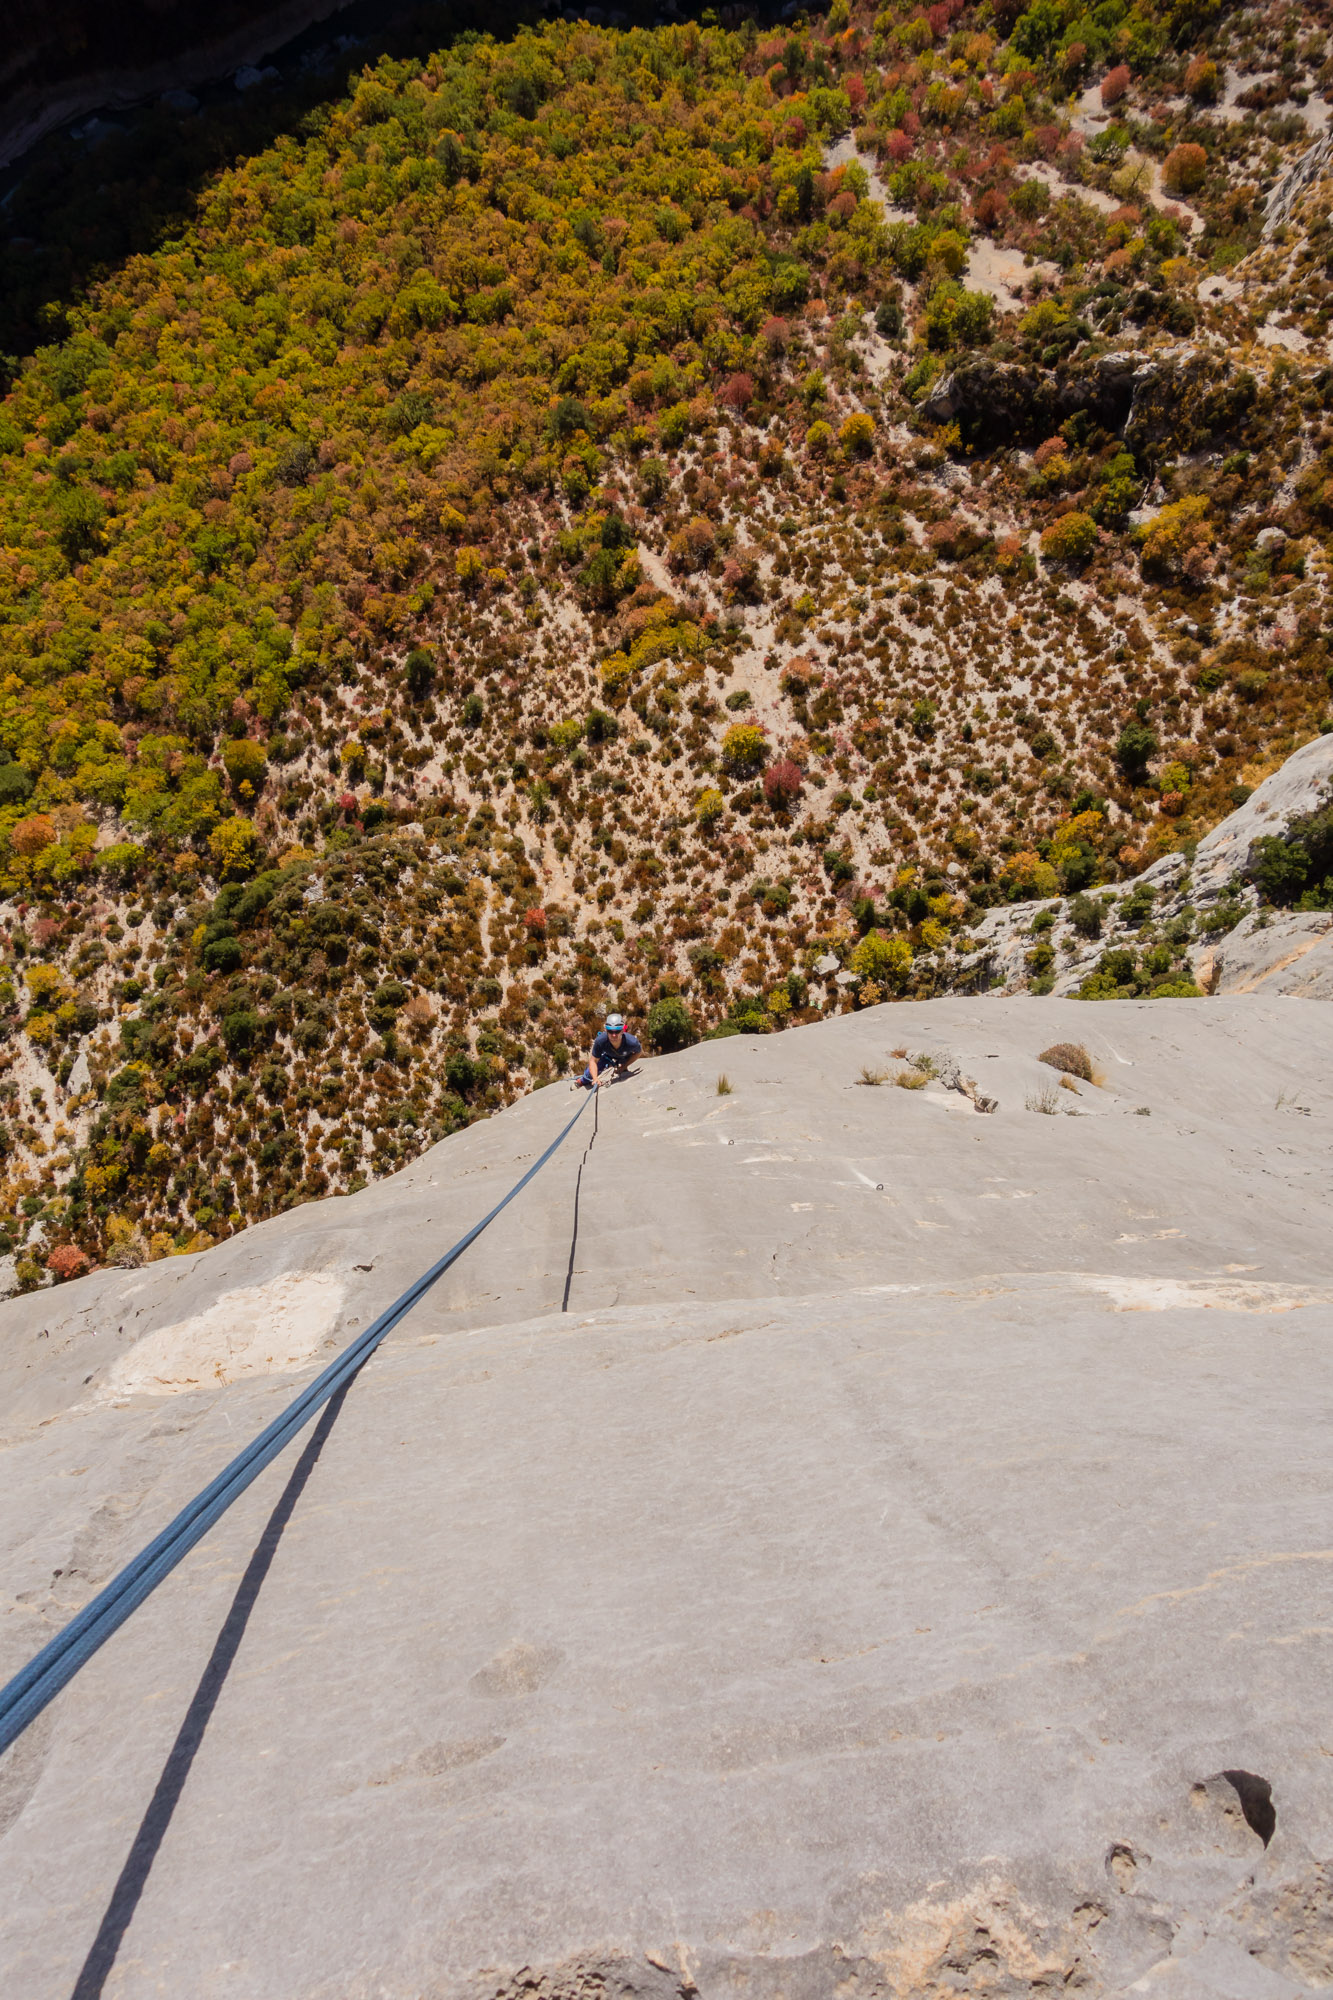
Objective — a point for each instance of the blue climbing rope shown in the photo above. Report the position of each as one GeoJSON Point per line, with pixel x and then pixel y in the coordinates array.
{"type": "Point", "coordinates": [50, 1670]}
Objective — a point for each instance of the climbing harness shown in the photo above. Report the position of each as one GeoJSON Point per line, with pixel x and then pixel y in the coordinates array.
{"type": "Point", "coordinates": [50, 1670]}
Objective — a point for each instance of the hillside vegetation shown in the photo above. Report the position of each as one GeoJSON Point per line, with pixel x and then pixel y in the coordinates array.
{"type": "Point", "coordinates": [638, 516]}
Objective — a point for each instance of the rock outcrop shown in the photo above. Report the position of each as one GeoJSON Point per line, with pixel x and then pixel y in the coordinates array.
{"type": "Point", "coordinates": [1291, 949]}
{"type": "Point", "coordinates": [1290, 952]}
{"type": "Point", "coordinates": [1181, 394]}
{"type": "Point", "coordinates": [900, 1570]}
{"type": "Point", "coordinates": [1300, 177]}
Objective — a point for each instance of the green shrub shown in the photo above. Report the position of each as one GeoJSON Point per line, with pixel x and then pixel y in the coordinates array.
{"type": "Point", "coordinates": [81, 518]}
{"type": "Point", "coordinates": [1224, 916]}
{"type": "Point", "coordinates": [670, 1025]}
{"type": "Point", "coordinates": [1136, 743]}
{"type": "Point", "coordinates": [956, 317]}
{"type": "Point", "coordinates": [1086, 916]}
{"type": "Point", "coordinates": [15, 785]}
{"type": "Point", "coordinates": [420, 672]}
{"type": "Point", "coordinates": [222, 955]}
{"type": "Point", "coordinates": [241, 1031]}
{"type": "Point", "coordinates": [749, 1015]}
{"type": "Point", "coordinates": [120, 862]}
{"type": "Point", "coordinates": [1182, 988]}
{"type": "Point", "coordinates": [1137, 906]}
{"type": "Point", "coordinates": [1295, 868]}
{"type": "Point", "coordinates": [462, 1072]}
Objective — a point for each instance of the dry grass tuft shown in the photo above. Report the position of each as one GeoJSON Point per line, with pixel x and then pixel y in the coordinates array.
{"type": "Point", "coordinates": [1072, 1058]}
{"type": "Point", "coordinates": [872, 1078]}
{"type": "Point", "coordinates": [724, 1085]}
{"type": "Point", "coordinates": [912, 1079]}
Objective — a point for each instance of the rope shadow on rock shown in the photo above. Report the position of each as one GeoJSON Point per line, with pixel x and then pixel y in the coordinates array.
{"type": "Point", "coordinates": [133, 1878]}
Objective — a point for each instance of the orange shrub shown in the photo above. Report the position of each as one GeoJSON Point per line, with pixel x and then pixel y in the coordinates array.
{"type": "Point", "coordinates": [1184, 170]}
{"type": "Point", "coordinates": [694, 547]}
{"type": "Point", "coordinates": [68, 1261]}
{"type": "Point", "coordinates": [31, 835]}
{"type": "Point", "coordinates": [1201, 80]}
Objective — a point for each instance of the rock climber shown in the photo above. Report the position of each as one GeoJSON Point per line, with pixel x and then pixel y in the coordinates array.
{"type": "Point", "coordinates": [614, 1048]}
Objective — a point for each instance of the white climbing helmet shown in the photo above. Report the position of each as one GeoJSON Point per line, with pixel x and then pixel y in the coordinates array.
{"type": "Point", "coordinates": [614, 1022]}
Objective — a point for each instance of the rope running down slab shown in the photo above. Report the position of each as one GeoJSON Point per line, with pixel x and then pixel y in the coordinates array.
{"type": "Point", "coordinates": [50, 1670]}
{"type": "Point", "coordinates": [578, 1190]}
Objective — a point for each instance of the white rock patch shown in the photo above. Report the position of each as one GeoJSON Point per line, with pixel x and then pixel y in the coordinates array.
{"type": "Point", "coordinates": [1222, 1295]}
{"type": "Point", "coordinates": [258, 1330]}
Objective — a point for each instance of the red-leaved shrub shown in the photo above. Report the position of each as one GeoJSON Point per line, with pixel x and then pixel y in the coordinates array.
{"type": "Point", "coordinates": [782, 783]}
{"type": "Point", "coordinates": [68, 1261]}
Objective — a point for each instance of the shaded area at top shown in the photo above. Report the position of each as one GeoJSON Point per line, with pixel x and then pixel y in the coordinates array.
{"type": "Point", "coordinates": [112, 120]}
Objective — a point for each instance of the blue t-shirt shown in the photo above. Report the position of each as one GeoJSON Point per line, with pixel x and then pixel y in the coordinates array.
{"type": "Point", "coordinates": [605, 1052]}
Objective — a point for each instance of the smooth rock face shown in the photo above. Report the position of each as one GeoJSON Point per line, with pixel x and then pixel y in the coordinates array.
{"type": "Point", "coordinates": [903, 1570]}
{"type": "Point", "coordinates": [1286, 952]}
